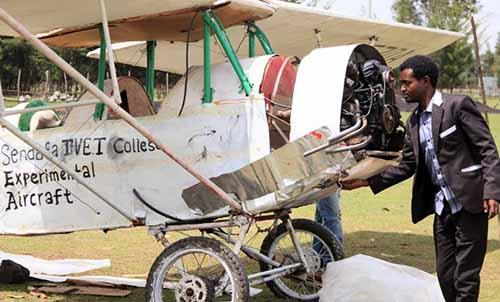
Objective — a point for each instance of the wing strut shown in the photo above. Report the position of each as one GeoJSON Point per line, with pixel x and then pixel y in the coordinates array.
{"type": "Point", "coordinates": [254, 30]}
{"type": "Point", "coordinates": [211, 20]}
{"type": "Point", "coordinates": [109, 50]}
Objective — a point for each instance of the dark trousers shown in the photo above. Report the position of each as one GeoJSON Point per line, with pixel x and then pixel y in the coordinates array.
{"type": "Point", "coordinates": [460, 240]}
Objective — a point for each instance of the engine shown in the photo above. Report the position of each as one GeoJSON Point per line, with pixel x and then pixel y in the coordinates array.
{"type": "Point", "coordinates": [365, 107]}
{"type": "Point", "coordinates": [369, 94]}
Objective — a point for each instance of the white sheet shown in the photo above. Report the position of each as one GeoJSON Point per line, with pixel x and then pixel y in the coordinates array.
{"type": "Point", "coordinates": [55, 267]}
{"type": "Point", "coordinates": [364, 278]}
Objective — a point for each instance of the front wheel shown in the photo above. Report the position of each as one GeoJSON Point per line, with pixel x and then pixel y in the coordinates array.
{"type": "Point", "coordinates": [197, 269]}
{"type": "Point", "coordinates": [319, 246]}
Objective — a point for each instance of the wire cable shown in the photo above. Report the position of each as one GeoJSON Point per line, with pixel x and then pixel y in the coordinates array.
{"type": "Point", "coordinates": [176, 219]}
{"type": "Point", "coordinates": [186, 76]}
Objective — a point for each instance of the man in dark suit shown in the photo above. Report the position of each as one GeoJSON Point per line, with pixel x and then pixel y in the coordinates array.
{"type": "Point", "coordinates": [450, 150]}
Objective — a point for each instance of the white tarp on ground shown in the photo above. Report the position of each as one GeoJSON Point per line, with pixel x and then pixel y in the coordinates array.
{"type": "Point", "coordinates": [55, 267]}
{"type": "Point", "coordinates": [116, 281]}
{"type": "Point", "coordinates": [134, 282]}
{"type": "Point", "coordinates": [364, 278]}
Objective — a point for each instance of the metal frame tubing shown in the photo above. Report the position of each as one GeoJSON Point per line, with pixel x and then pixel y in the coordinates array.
{"type": "Point", "coordinates": [296, 244]}
{"type": "Point", "coordinates": [2, 102]}
{"type": "Point", "coordinates": [57, 60]}
{"type": "Point", "coordinates": [111, 59]}
{"type": "Point", "coordinates": [150, 73]}
{"type": "Point", "coordinates": [251, 42]}
{"type": "Point", "coordinates": [264, 41]}
{"type": "Point", "coordinates": [99, 108]}
{"type": "Point", "coordinates": [248, 250]}
{"type": "Point", "coordinates": [211, 19]}
{"type": "Point", "coordinates": [52, 107]}
{"type": "Point", "coordinates": [207, 88]}
{"type": "Point", "coordinates": [266, 276]}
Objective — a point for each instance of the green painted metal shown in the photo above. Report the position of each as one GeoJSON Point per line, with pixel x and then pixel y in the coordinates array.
{"type": "Point", "coordinates": [99, 108]}
{"type": "Point", "coordinates": [207, 88]}
{"type": "Point", "coordinates": [264, 41]}
{"type": "Point", "coordinates": [211, 19]}
{"type": "Point", "coordinates": [251, 41]}
{"type": "Point", "coordinates": [150, 72]}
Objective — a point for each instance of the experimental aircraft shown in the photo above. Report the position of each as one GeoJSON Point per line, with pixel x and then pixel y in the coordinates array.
{"type": "Point", "coordinates": [216, 138]}
{"type": "Point", "coordinates": [249, 132]}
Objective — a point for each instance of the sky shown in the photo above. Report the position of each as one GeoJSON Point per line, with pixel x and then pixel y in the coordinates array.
{"type": "Point", "coordinates": [489, 16]}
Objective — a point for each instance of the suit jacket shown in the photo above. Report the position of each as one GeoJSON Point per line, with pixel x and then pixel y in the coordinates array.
{"type": "Point", "coordinates": [466, 152]}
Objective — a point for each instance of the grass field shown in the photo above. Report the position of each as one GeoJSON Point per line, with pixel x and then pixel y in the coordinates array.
{"type": "Point", "coordinates": [379, 226]}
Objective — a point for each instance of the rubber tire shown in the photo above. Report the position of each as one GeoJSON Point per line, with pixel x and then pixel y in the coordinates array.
{"type": "Point", "coordinates": [313, 227]}
{"type": "Point", "coordinates": [235, 266]}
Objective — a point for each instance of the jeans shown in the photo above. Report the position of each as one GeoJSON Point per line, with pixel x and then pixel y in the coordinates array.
{"type": "Point", "coordinates": [328, 214]}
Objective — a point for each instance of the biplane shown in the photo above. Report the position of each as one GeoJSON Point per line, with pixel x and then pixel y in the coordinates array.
{"type": "Point", "coordinates": [248, 134]}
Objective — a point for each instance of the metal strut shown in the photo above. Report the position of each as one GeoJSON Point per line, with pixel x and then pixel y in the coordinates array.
{"type": "Point", "coordinates": [150, 71]}
{"type": "Point", "coordinates": [254, 30]}
{"type": "Point", "coordinates": [216, 26]}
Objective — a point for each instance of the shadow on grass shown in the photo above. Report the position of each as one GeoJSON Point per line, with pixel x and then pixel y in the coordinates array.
{"type": "Point", "coordinates": [408, 249]}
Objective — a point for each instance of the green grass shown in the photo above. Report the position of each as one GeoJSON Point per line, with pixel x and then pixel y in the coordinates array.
{"type": "Point", "coordinates": [378, 226]}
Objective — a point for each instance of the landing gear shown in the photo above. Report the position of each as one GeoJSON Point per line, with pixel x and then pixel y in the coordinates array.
{"type": "Point", "coordinates": [197, 269]}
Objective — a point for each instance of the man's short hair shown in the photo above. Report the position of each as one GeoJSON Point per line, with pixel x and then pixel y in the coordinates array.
{"type": "Point", "coordinates": [422, 66]}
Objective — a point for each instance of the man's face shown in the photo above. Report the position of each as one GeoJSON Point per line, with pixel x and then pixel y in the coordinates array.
{"type": "Point", "coordinates": [412, 89]}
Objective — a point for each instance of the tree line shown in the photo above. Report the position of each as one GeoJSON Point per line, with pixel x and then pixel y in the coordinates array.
{"type": "Point", "coordinates": [457, 62]}
{"type": "Point", "coordinates": [20, 59]}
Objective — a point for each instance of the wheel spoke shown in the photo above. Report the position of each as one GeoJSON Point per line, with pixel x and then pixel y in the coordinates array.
{"type": "Point", "coordinates": [317, 251]}
{"type": "Point", "coordinates": [196, 269]}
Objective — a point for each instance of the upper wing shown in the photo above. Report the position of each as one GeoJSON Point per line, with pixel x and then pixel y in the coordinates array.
{"type": "Point", "coordinates": [291, 32]}
{"type": "Point", "coordinates": [72, 23]}
{"type": "Point", "coordinates": [289, 27]}
{"type": "Point", "coordinates": [46, 15]}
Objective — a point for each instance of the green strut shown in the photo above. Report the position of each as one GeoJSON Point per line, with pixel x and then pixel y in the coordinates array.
{"type": "Point", "coordinates": [150, 73]}
{"type": "Point", "coordinates": [253, 29]}
{"type": "Point", "coordinates": [221, 35]}
{"type": "Point", "coordinates": [207, 89]}
{"type": "Point", "coordinates": [99, 108]}
{"type": "Point", "coordinates": [251, 43]}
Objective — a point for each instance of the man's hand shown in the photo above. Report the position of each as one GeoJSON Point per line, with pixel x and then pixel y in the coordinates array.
{"type": "Point", "coordinates": [491, 207]}
{"type": "Point", "coordinates": [354, 184]}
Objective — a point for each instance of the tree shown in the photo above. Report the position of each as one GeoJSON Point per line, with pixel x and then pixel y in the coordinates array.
{"type": "Point", "coordinates": [16, 54]}
{"type": "Point", "coordinates": [496, 67]}
{"type": "Point", "coordinates": [456, 60]}
{"type": "Point", "coordinates": [405, 11]}
{"type": "Point", "coordinates": [488, 63]}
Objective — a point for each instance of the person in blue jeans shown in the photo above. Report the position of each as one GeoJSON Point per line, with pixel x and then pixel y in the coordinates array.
{"type": "Point", "coordinates": [328, 214]}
